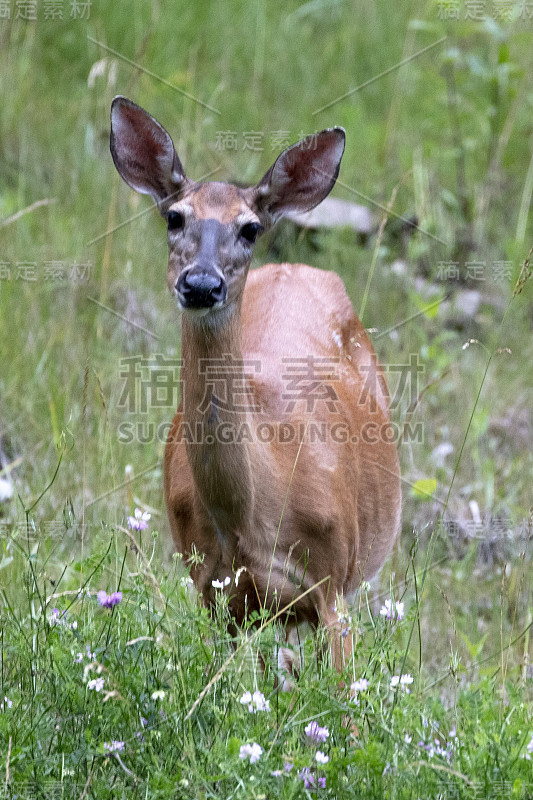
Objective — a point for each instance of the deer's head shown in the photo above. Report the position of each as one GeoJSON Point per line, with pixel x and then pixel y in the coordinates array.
{"type": "Point", "coordinates": [212, 227]}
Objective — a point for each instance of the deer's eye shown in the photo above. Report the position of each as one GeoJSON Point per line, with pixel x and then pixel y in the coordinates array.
{"type": "Point", "coordinates": [175, 220]}
{"type": "Point", "coordinates": [250, 231]}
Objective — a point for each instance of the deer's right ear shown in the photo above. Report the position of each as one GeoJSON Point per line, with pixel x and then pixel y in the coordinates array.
{"type": "Point", "coordinates": [143, 152]}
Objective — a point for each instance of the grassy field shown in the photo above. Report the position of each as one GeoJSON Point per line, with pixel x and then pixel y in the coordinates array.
{"type": "Point", "coordinates": [147, 699]}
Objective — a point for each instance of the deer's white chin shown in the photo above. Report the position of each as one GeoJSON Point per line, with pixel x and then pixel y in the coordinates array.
{"type": "Point", "coordinates": [200, 313]}
{"type": "Point", "coordinates": [194, 313]}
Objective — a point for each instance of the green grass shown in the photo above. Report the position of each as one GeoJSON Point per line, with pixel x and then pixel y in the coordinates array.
{"type": "Point", "coordinates": [454, 126]}
{"type": "Point", "coordinates": [172, 683]}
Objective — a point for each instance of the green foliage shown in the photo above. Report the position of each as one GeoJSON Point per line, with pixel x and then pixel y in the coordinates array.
{"type": "Point", "coordinates": [149, 697]}
{"type": "Point", "coordinates": [451, 128]}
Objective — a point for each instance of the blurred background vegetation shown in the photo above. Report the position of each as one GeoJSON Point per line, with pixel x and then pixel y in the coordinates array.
{"type": "Point", "coordinates": [450, 129]}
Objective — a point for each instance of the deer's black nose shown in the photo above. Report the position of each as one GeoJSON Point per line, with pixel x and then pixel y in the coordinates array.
{"type": "Point", "coordinates": [199, 288]}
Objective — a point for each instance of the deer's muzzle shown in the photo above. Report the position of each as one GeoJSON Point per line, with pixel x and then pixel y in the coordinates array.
{"type": "Point", "coordinates": [200, 288]}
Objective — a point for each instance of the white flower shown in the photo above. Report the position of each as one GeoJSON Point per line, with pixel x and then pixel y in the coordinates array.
{"type": "Point", "coordinates": [260, 702]}
{"type": "Point", "coordinates": [246, 699]}
{"type": "Point", "coordinates": [321, 757]}
{"type": "Point", "coordinates": [255, 702]}
{"type": "Point", "coordinates": [97, 684]}
{"type": "Point", "coordinates": [392, 611]}
{"type": "Point", "coordinates": [251, 751]}
{"type": "Point", "coordinates": [408, 738]}
{"type": "Point", "coordinates": [159, 694]}
{"type": "Point", "coordinates": [221, 584]}
{"type": "Point", "coordinates": [403, 681]}
{"type": "Point", "coordinates": [529, 746]}
{"type": "Point", "coordinates": [359, 686]}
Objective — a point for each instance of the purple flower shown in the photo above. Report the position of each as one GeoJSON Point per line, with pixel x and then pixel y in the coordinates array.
{"type": "Point", "coordinates": [309, 778]}
{"type": "Point", "coordinates": [113, 746]}
{"type": "Point", "coordinates": [316, 733]}
{"type": "Point", "coordinates": [109, 600]}
{"type": "Point", "coordinates": [57, 617]}
{"type": "Point", "coordinates": [140, 521]}
{"type": "Point", "coordinates": [392, 611]}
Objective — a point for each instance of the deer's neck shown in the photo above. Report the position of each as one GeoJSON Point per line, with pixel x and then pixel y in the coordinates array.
{"type": "Point", "coordinates": [216, 408]}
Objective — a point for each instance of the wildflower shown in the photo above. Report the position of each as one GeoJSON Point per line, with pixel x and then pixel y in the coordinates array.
{"type": "Point", "coordinates": [109, 600]}
{"type": "Point", "coordinates": [344, 619]}
{"type": "Point", "coordinates": [309, 779]}
{"type": "Point", "coordinates": [159, 694]}
{"type": "Point", "coordinates": [221, 584]}
{"type": "Point", "coordinates": [6, 490]}
{"type": "Point", "coordinates": [57, 617]}
{"type": "Point", "coordinates": [392, 611]}
{"type": "Point", "coordinates": [97, 684]}
{"type": "Point", "coordinates": [6, 703]}
{"type": "Point", "coordinates": [140, 521]}
{"type": "Point", "coordinates": [403, 681]}
{"type": "Point", "coordinates": [251, 751]}
{"type": "Point", "coordinates": [529, 745]}
{"type": "Point", "coordinates": [408, 739]}
{"type": "Point", "coordinates": [78, 658]}
{"type": "Point", "coordinates": [113, 746]}
{"type": "Point", "coordinates": [316, 733]}
{"type": "Point", "coordinates": [321, 758]}
{"type": "Point", "coordinates": [255, 702]}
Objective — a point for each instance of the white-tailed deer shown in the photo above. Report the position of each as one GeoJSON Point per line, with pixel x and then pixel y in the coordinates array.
{"type": "Point", "coordinates": [279, 465]}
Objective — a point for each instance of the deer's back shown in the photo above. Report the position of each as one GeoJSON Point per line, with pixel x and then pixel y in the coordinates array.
{"type": "Point", "coordinates": [293, 314]}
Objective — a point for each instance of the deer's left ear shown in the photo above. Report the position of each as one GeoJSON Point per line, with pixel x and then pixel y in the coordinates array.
{"type": "Point", "coordinates": [302, 176]}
